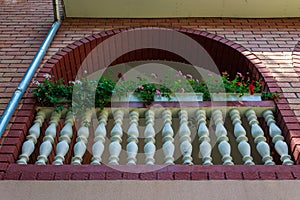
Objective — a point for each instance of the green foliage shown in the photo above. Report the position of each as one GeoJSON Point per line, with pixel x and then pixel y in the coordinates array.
{"type": "Point", "coordinates": [85, 94]}
{"type": "Point", "coordinates": [52, 92]}
{"type": "Point", "coordinates": [270, 95]}
{"type": "Point", "coordinates": [147, 92]}
{"type": "Point", "coordinates": [104, 91]}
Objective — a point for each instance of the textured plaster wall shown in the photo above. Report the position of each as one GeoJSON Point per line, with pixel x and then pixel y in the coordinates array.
{"type": "Point", "coordinates": [131, 190]}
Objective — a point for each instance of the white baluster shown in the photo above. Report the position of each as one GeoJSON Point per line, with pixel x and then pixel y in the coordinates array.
{"type": "Point", "coordinates": [34, 134]}
{"type": "Point", "coordinates": [222, 139]}
{"type": "Point", "coordinates": [99, 140]}
{"type": "Point", "coordinates": [259, 138]}
{"type": "Point", "coordinates": [203, 133]}
{"type": "Point", "coordinates": [66, 134]}
{"type": "Point", "coordinates": [82, 139]}
{"type": "Point", "coordinates": [116, 138]}
{"type": "Point", "coordinates": [185, 138]}
{"type": "Point", "coordinates": [133, 134]}
{"type": "Point", "coordinates": [168, 141]}
{"type": "Point", "coordinates": [277, 138]}
{"type": "Point", "coordinates": [48, 140]}
{"type": "Point", "coordinates": [241, 138]}
{"type": "Point", "coordinates": [149, 135]}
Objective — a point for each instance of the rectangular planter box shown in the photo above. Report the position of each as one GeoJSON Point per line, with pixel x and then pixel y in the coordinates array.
{"type": "Point", "coordinates": [189, 97]}
{"type": "Point", "coordinates": [177, 97]}
{"type": "Point", "coordinates": [235, 97]}
{"type": "Point", "coordinates": [127, 98]}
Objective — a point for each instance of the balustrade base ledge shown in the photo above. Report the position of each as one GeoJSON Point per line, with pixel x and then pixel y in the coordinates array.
{"type": "Point", "coordinates": [266, 103]}
{"type": "Point", "coordinates": [150, 172]}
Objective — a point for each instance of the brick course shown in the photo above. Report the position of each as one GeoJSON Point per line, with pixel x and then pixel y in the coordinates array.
{"type": "Point", "coordinates": [171, 172]}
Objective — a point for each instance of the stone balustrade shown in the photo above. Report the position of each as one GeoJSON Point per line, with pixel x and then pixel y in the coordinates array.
{"type": "Point", "coordinates": [165, 135]}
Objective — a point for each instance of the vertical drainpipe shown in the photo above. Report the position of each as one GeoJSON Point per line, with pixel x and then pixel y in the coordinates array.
{"type": "Point", "coordinates": [17, 95]}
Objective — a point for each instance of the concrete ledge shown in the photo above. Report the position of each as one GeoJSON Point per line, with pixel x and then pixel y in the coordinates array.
{"type": "Point", "coordinates": [36, 190]}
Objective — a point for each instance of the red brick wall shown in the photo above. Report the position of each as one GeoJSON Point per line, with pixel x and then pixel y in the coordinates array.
{"type": "Point", "coordinates": [24, 25]}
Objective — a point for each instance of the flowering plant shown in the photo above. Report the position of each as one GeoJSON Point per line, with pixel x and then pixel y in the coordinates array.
{"type": "Point", "coordinates": [142, 88]}
{"type": "Point", "coordinates": [89, 93]}
{"type": "Point", "coordinates": [240, 84]}
{"type": "Point", "coordinates": [83, 94]}
{"type": "Point", "coordinates": [52, 92]}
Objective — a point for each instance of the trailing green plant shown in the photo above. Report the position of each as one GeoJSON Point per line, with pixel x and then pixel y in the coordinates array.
{"type": "Point", "coordinates": [85, 94]}
{"type": "Point", "coordinates": [88, 94]}
{"type": "Point", "coordinates": [223, 84]}
{"type": "Point", "coordinates": [147, 92]}
{"type": "Point", "coordinates": [83, 97]}
{"type": "Point", "coordinates": [270, 95]}
{"type": "Point", "coordinates": [240, 84]}
{"type": "Point", "coordinates": [104, 91]}
{"type": "Point", "coordinates": [52, 92]}
{"type": "Point", "coordinates": [142, 88]}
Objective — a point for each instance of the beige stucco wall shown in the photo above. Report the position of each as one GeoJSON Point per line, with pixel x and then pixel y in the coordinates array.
{"type": "Point", "coordinates": [149, 190]}
{"type": "Point", "coordinates": [181, 8]}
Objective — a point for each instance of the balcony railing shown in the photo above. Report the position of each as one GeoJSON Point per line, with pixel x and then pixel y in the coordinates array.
{"type": "Point", "coordinates": [202, 134]}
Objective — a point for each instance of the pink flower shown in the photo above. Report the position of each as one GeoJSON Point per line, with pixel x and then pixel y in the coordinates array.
{"type": "Point", "coordinates": [240, 74]}
{"type": "Point", "coordinates": [180, 73]}
{"type": "Point", "coordinates": [182, 90]}
{"type": "Point", "coordinates": [189, 76]}
{"type": "Point", "coordinates": [158, 92]}
{"type": "Point", "coordinates": [140, 87]}
{"type": "Point", "coordinates": [154, 75]}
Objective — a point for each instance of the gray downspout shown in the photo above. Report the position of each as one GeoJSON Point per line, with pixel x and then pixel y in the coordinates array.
{"type": "Point", "coordinates": [15, 99]}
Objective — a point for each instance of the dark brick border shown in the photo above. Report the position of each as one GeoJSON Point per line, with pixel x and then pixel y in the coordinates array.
{"type": "Point", "coordinates": [168, 172]}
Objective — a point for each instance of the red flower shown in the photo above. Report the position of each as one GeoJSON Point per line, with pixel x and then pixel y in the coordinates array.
{"type": "Point", "coordinates": [239, 83]}
{"type": "Point", "coordinates": [120, 75]}
{"type": "Point", "coordinates": [224, 73]}
{"type": "Point", "coordinates": [251, 87]}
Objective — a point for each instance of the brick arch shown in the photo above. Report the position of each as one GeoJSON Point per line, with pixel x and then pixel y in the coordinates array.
{"type": "Point", "coordinates": [64, 64]}
{"type": "Point", "coordinates": [227, 55]}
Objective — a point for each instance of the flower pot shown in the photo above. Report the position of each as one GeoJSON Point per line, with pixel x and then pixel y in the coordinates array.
{"type": "Point", "coordinates": [187, 97]}
{"type": "Point", "coordinates": [181, 97]}
{"type": "Point", "coordinates": [125, 98]}
{"type": "Point", "coordinates": [176, 97]}
{"type": "Point", "coordinates": [160, 98]}
{"type": "Point", "coordinates": [235, 97]}
{"type": "Point", "coordinates": [249, 97]}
